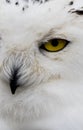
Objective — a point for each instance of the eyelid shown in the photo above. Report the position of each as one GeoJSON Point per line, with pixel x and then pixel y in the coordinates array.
{"type": "Point", "coordinates": [44, 40]}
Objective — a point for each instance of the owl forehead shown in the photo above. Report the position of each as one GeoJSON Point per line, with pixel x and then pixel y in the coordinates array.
{"type": "Point", "coordinates": [17, 2]}
{"type": "Point", "coordinates": [24, 13]}
{"type": "Point", "coordinates": [14, 19]}
{"type": "Point", "coordinates": [25, 10]}
{"type": "Point", "coordinates": [12, 8]}
{"type": "Point", "coordinates": [25, 4]}
{"type": "Point", "coordinates": [33, 16]}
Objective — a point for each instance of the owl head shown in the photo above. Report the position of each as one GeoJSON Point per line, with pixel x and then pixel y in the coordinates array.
{"type": "Point", "coordinates": [41, 44]}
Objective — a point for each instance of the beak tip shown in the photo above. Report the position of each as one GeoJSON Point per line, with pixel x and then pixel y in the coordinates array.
{"type": "Point", "coordinates": [13, 89]}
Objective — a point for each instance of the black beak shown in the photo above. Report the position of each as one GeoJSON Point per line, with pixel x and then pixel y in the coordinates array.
{"type": "Point", "coordinates": [14, 79]}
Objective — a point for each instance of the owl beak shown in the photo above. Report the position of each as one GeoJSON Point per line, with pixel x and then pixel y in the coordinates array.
{"type": "Point", "coordinates": [13, 87]}
{"type": "Point", "coordinates": [14, 80]}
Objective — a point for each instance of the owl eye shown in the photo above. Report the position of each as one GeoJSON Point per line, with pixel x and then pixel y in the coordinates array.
{"type": "Point", "coordinates": [54, 45]}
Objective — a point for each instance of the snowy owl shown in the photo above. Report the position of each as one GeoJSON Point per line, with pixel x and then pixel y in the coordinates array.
{"type": "Point", "coordinates": [41, 65]}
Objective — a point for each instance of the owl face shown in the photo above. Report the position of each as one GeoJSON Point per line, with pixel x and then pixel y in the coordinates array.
{"type": "Point", "coordinates": [40, 43]}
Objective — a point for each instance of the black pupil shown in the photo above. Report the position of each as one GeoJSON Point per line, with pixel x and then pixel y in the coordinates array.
{"type": "Point", "coordinates": [54, 42]}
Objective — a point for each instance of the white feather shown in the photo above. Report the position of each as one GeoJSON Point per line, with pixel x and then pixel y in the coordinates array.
{"type": "Point", "coordinates": [50, 95]}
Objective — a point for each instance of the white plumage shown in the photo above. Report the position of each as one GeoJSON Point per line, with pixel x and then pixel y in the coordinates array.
{"type": "Point", "coordinates": [41, 89]}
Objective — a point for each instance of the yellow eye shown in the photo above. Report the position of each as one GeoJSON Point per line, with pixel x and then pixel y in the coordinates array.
{"type": "Point", "coordinates": [54, 45]}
